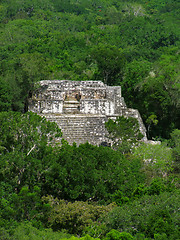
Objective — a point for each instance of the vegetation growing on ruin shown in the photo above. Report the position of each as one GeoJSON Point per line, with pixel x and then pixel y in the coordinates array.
{"type": "Point", "coordinates": [49, 191]}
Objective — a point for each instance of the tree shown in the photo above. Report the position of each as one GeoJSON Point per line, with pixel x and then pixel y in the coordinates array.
{"type": "Point", "coordinates": [175, 143]}
{"type": "Point", "coordinates": [158, 159]}
{"type": "Point", "coordinates": [26, 133]}
{"type": "Point", "coordinates": [110, 61]}
{"type": "Point", "coordinates": [25, 139]}
{"type": "Point", "coordinates": [89, 172]}
{"type": "Point", "coordinates": [150, 215]}
{"type": "Point", "coordinates": [114, 235]}
{"type": "Point", "coordinates": [134, 73]}
{"type": "Point", "coordinates": [75, 216]}
{"type": "Point", "coordinates": [160, 91]}
{"type": "Point", "coordinates": [5, 96]}
{"type": "Point", "coordinates": [124, 133]}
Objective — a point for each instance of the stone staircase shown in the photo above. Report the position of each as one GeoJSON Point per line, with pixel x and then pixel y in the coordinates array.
{"type": "Point", "coordinates": [81, 128]}
{"type": "Point", "coordinates": [71, 106]}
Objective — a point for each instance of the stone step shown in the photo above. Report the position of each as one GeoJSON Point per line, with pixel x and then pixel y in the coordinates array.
{"type": "Point", "coordinates": [71, 106]}
{"type": "Point", "coordinates": [81, 128]}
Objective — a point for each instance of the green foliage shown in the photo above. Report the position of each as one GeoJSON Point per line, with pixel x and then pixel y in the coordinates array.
{"type": "Point", "coordinates": [5, 96]}
{"type": "Point", "coordinates": [158, 159]}
{"type": "Point", "coordinates": [149, 215]}
{"type": "Point", "coordinates": [161, 89]}
{"type": "Point", "coordinates": [25, 230]}
{"type": "Point", "coordinates": [26, 133]}
{"type": "Point", "coordinates": [119, 198]}
{"type": "Point", "coordinates": [124, 132]}
{"type": "Point", "coordinates": [32, 166]}
{"type": "Point", "coordinates": [129, 43]}
{"type": "Point", "coordinates": [135, 72]}
{"type": "Point", "coordinates": [110, 61]}
{"type": "Point", "coordinates": [83, 173]}
{"type": "Point", "coordinates": [175, 143]}
{"type": "Point", "coordinates": [76, 216]}
{"type": "Point", "coordinates": [115, 235]}
{"type": "Point", "coordinates": [25, 139]}
{"type": "Point", "coordinates": [139, 191]}
{"type": "Point", "coordinates": [151, 120]}
{"type": "Point", "coordinates": [155, 187]}
{"type": "Point", "coordinates": [25, 205]}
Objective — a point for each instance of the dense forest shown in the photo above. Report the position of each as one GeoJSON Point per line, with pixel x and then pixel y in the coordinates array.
{"type": "Point", "coordinates": [52, 191]}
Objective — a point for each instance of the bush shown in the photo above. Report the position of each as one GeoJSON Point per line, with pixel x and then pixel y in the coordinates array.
{"type": "Point", "coordinates": [25, 231]}
{"type": "Point", "coordinates": [175, 142]}
{"type": "Point", "coordinates": [157, 158]}
{"type": "Point", "coordinates": [115, 235]}
{"type": "Point", "coordinates": [124, 133]}
{"type": "Point", "coordinates": [90, 173]}
{"type": "Point", "coordinates": [156, 214]}
{"type": "Point", "coordinates": [74, 217]}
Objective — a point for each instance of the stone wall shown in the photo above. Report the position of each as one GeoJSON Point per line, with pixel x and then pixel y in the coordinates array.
{"type": "Point", "coordinates": [81, 108]}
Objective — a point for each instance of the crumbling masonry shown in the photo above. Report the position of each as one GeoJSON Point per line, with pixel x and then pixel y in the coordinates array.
{"type": "Point", "coordinates": [80, 108]}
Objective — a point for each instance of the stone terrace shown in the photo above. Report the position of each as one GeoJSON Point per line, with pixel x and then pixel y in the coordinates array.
{"type": "Point", "coordinates": [81, 108]}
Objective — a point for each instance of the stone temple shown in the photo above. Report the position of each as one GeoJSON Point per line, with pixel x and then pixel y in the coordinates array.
{"type": "Point", "coordinates": [80, 108]}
